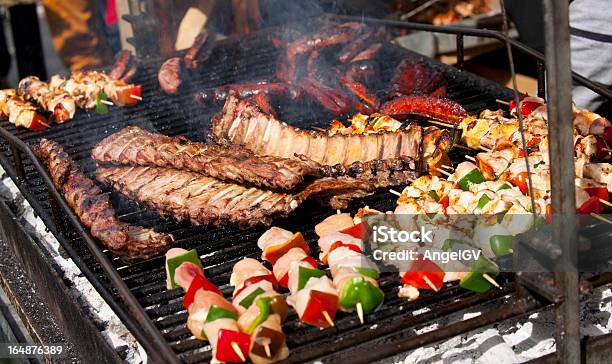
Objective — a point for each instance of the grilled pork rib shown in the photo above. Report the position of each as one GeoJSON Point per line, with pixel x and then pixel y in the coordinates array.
{"type": "Point", "coordinates": [136, 146]}
{"type": "Point", "coordinates": [242, 123]}
{"type": "Point", "coordinates": [186, 195]}
{"type": "Point", "coordinates": [94, 208]}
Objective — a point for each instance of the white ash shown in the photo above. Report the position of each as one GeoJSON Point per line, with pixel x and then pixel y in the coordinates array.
{"type": "Point", "coordinates": [114, 331]}
{"type": "Point", "coordinates": [515, 340]}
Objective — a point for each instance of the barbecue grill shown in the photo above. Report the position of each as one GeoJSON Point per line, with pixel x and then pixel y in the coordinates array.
{"type": "Point", "coordinates": [137, 293]}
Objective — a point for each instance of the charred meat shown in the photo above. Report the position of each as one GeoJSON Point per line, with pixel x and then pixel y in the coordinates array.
{"type": "Point", "coordinates": [200, 51]}
{"type": "Point", "coordinates": [204, 200]}
{"type": "Point", "coordinates": [169, 75]}
{"type": "Point", "coordinates": [94, 209]}
{"type": "Point", "coordinates": [137, 147]}
{"type": "Point", "coordinates": [243, 123]}
{"type": "Point", "coordinates": [125, 68]}
{"type": "Point", "coordinates": [427, 106]}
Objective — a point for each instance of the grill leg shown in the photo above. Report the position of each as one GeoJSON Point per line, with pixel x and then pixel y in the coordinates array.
{"type": "Point", "coordinates": [460, 52]}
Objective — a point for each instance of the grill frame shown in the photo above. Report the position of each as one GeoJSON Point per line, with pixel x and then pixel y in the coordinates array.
{"type": "Point", "coordinates": [132, 308]}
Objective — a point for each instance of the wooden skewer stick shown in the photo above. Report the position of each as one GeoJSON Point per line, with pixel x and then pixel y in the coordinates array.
{"type": "Point", "coordinates": [461, 147]}
{"type": "Point", "coordinates": [430, 283]}
{"type": "Point", "coordinates": [491, 280]}
{"type": "Point", "coordinates": [470, 158]}
{"type": "Point", "coordinates": [328, 319]}
{"type": "Point", "coordinates": [502, 102]}
{"type": "Point", "coordinates": [338, 211]}
{"type": "Point", "coordinates": [485, 149]}
{"type": "Point", "coordinates": [360, 312]}
{"type": "Point", "coordinates": [136, 97]}
{"type": "Point", "coordinates": [447, 167]}
{"type": "Point", "coordinates": [599, 217]}
{"type": "Point", "coordinates": [443, 172]}
{"type": "Point", "coordinates": [106, 102]}
{"type": "Point", "coordinates": [442, 124]}
{"type": "Point", "coordinates": [607, 149]}
{"type": "Point", "coordinates": [44, 124]}
{"type": "Point", "coordinates": [395, 192]}
{"type": "Point", "coordinates": [267, 349]}
{"type": "Point", "coordinates": [319, 129]}
{"type": "Point", "coordinates": [605, 202]}
{"type": "Point", "coordinates": [238, 351]}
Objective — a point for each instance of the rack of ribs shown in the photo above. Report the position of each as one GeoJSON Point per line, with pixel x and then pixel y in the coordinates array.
{"type": "Point", "coordinates": [94, 209]}
{"type": "Point", "coordinates": [243, 123]}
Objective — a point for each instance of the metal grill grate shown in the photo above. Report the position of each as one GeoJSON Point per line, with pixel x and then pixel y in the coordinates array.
{"type": "Point", "coordinates": [253, 58]}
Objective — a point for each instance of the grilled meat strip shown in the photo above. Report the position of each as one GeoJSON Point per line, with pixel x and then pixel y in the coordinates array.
{"type": "Point", "coordinates": [94, 208]}
{"type": "Point", "coordinates": [136, 146]}
{"type": "Point", "coordinates": [245, 124]}
{"type": "Point", "coordinates": [204, 200]}
{"type": "Point", "coordinates": [125, 67]}
{"type": "Point", "coordinates": [169, 75]}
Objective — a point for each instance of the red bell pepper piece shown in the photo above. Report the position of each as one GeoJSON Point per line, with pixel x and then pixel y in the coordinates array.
{"type": "Point", "coordinates": [225, 351]}
{"type": "Point", "coordinates": [520, 181]}
{"type": "Point", "coordinates": [359, 231]}
{"type": "Point", "coordinates": [199, 282]}
{"type": "Point", "coordinates": [273, 253]}
{"type": "Point", "coordinates": [128, 95]}
{"type": "Point", "coordinates": [284, 281]}
{"type": "Point", "coordinates": [592, 205]}
{"type": "Point", "coordinates": [252, 280]}
{"type": "Point", "coordinates": [337, 245]}
{"type": "Point", "coordinates": [423, 267]}
{"type": "Point", "coordinates": [38, 123]}
{"type": "Point", "coordinates": [318, 303]}
{"type": "Point", "coordinates": [600, 192]}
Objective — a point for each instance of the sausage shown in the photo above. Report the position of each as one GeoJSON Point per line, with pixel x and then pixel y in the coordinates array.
{"type": "Point", "coordinates": [199, 51]}
{"type": "Point", "coordinates": [169, 76]}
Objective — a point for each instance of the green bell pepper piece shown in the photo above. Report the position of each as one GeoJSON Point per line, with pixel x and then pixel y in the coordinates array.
{"type": "Point", "coordinates": [304, 274]}
{"type": "Point", "coordinates": [482, 202]}
{"type": "Point", "coordinates": [368, 272]}
{"type": "Point", "coordinates": [501, 244]}
{"type": "Point", "coordinates": [173, 263]}
{"type": "Point", "coordinates": [474, 177]}
{"type": "Point", "coordinates": [101, 108]}
{"type": "Point", "coordinates": [359, 290]}
{"type": "Point", "coordinates": [264, 311]}
{"type": "Point", "coordinates": [216, 312]}
{"type": "Point", "coordinates": [434, 195]}
{"type": "Point", "coordinates": [474, 281]}
{"type": "Point", "coordinates": [505, 186]}
{"type": "Point", "coordinates": [248, 300]}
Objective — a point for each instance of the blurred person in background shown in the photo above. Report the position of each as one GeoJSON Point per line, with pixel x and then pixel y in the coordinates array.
{"type": "Point", "coordinates": [85, 32]}
{"type": "Point", "coordinates": [591, 43]}
{"type": "Point", "coordinates": [26, 39]}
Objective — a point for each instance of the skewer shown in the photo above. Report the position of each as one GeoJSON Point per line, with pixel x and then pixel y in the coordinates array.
{"type": "Point", "coordinates": [442, 124]}
{"type": "Point", "coordinates": [338, 211]}
{"type": "Point", "coordinates": [430, 283]}
{"type": "Point", "coordinates": [599, 217]}
{"type": "Point", "coordinates": [447, 167]}
{"type": "Point", "coordinates": [485, 149]}
{"type": "Point", "coordinates": [106, 102]}
{"type": "Point", "coordinates": [607, 149]}
{"type": "Point", "coordinates": [502, 102]}
{"type": "Point", "coordinates": [605, 202]}
{"type": "Point", "coordinates": [395, 192]}
{"type": "Point", "coordinates": [237, 350]}
{"type": "Point", "coordinates": [267, 349]}
{"type": "Point", "coordinates": [136, 97]}
{"type": "Point", "coordinates": [470, 158]}
{"type": "Point", "coordinates": [491, 280]}
{"type": "Point", "coordinates": [444, 172]}
{"type": "Point", "coordinates": [328, 319]}
{"type": "Point", "coordinates": [360, 312]}
{"type": "Point", "coordinates": [319, 129]}
{"type": "Point", "coordinates": [461, 147]}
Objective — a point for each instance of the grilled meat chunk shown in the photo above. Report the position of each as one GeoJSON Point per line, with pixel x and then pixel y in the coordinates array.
{"type": "Point", "coordinates": [204, 200]}
{"type": "Point", "coordinates": [200, 51]}
{"type": "Point", "coordinates": [243, 123]}
{"type": "Point", "coordinates": [125, 67]}
{"type": "Point", "coordinates": [169, 75]}
{"type": "Point", "coordinates": [138, 147]}
{"type": "Point", "coordinates": [94, 208]}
